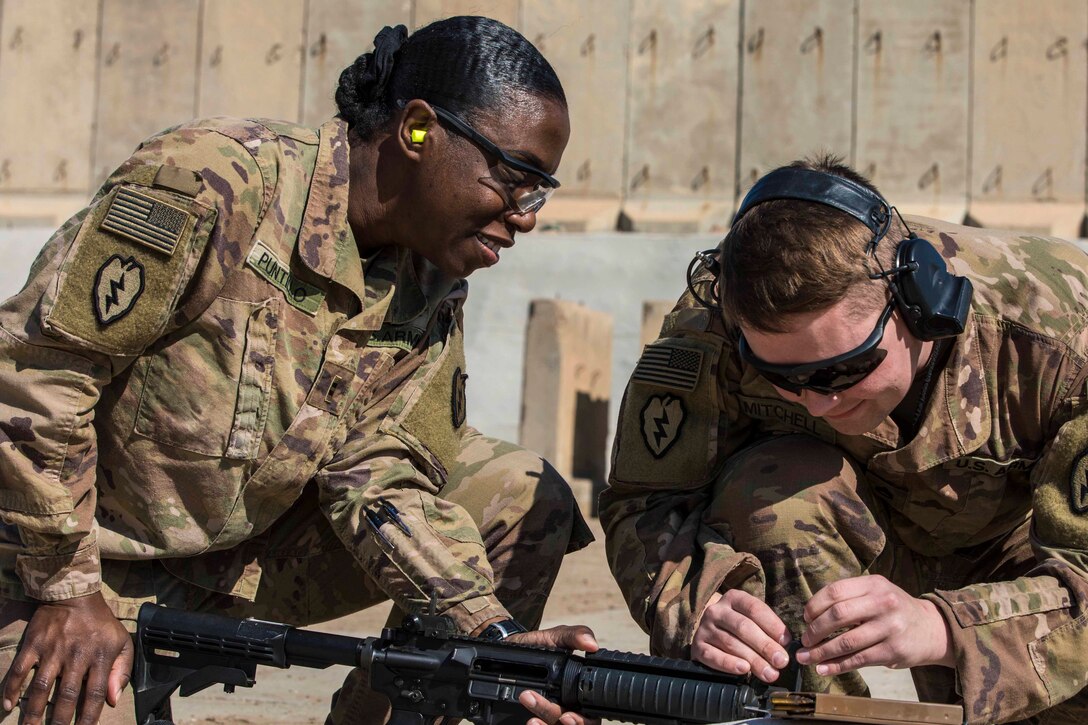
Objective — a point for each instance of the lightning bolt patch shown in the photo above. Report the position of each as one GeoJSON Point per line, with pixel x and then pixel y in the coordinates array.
{"type": "Point", "coordinates": [662, 418]}
{"type": "Point", "coordinates": [117, 285]}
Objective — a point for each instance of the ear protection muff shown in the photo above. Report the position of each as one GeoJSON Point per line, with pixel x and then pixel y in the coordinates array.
{"type": "Point", "coordinates": [933, 301]}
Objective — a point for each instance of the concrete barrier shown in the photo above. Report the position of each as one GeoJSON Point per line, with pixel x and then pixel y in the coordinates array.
{"type": "Point", "coordinates": [565, 394]}
{"type": "Point", "coordinates": [586, 43]}
{"type": "Point", "coordinates": [337, 32]}
{"type": "Point", "coordinates": [148, 53]}
{"type": "Point", "coordinates": [251, 59]}
{"type": "Point", "coordinates": [425, 11]}
{"type": "Point", "coordinates": [682, 129]}
{"type": "Point", "coordinates": [48, 53]}
{"type": "Point", "coordinates": [797, 71]}
{"type": "Point", "coordinates": [1030, 101]}
{"type": "Point", "coordinates": [653, 315]}
{"type": "Point", "coordinates": [956, 108]}
{"type": "Point", "coordinates": [912, 103]}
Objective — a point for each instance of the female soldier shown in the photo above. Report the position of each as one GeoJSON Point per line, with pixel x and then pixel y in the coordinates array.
{"type": "Point", "coordinates": [235, 381]}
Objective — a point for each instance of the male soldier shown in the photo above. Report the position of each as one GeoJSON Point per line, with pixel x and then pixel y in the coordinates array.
{"type": "Point", "coordinates": [834, 439]}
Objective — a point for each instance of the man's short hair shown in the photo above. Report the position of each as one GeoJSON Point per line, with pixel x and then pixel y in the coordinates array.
{"type": "Point", "coordinates": [787, 257]}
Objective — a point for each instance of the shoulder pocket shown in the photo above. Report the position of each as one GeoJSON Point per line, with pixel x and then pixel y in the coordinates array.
{"type": "Point", "coordinates": [122, 277]}
{"type": "Point", "coordinates": [668, 424]}
{"type": "Point", "coordinates": [207, 390]}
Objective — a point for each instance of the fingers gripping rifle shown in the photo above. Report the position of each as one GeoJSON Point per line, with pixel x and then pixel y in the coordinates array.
{"type": "Point", "coordinates": [427, 670]}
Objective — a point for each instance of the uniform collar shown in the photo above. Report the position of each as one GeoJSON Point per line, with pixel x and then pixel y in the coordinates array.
{"type": "Point", "coordinates": [381, 279]}
{"type": "Point", "coordinates": [410, 287]}
{"type": "Point", "coordinates": [326, 244]}
{"type": "Point", "coordinates": [957, 420]}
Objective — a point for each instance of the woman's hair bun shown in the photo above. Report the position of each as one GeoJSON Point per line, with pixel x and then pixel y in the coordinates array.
{"type": "Point", "coordinates": [462, 63]}
{"type": "Point", "coordinates": [386, 44]}
{"type": "Point", "coordinates": [363, 83]}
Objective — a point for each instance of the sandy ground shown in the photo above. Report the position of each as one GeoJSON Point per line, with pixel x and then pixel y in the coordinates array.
{"type": "Point", "coordinates": [585, 593]}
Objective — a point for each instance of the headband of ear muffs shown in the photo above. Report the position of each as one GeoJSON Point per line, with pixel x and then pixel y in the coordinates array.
{"type": "Point", "coordinates": [933, 302]}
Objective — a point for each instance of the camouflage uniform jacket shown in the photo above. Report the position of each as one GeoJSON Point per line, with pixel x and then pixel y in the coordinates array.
{"type": "Point", "coordinates": [1004, 437]}
{"type": "Point", "coordinates": [199, 343]}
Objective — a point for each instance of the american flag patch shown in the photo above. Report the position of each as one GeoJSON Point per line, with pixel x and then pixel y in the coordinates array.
{"type": "Point", "coordinates": [674, 367]}
{"type": "Point", "coordinates": [146, 220]}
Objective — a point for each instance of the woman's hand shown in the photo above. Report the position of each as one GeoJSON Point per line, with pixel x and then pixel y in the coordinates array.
{"type": "Point", "coordinates": [739, 633]}
{"type": "Point", "coordinates": [545, 711]}
{"type": "Point", "coordinates": [867, 620]}
{"type": "Point", "coordinates": [79, 653]}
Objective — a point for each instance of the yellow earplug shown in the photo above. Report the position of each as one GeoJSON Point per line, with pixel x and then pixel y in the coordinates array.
{"type": "Point", "coordinates": [418, 134]}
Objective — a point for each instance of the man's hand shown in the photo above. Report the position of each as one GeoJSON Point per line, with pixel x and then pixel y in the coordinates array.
{"type": "Point", "coordinates": [739, 633]}
{"type": "Point", "coordinates": [883, 626]}
{"type": "Point", "coordinates": [78, 652]}
{"type": "Point", "coordinates": [574, 638]}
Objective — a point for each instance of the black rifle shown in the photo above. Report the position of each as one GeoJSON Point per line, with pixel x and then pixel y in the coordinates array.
{"type": "Point", "coordinates": [428, 670]}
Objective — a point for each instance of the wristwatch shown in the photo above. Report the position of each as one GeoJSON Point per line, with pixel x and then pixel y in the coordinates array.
{"type": "Point", "coordinates": [501, 630]}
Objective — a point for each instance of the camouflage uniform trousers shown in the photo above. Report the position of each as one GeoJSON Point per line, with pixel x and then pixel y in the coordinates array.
{"type": "Point", "coordinates": [806, 511]}
{"type": "Point", "coordinates": [524, 509]}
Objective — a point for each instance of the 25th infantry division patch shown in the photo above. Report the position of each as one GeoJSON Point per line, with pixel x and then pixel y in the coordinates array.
{"type": "Point", "coordinates": [117, 285]}
{"type": "Point", "coordinates": [662, 417]}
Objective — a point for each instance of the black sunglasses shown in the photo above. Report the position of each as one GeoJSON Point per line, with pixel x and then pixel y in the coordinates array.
{"type": "Point", "coordinates": [832, 375]}
{"type": "Point", "coordinates": [524, 202]}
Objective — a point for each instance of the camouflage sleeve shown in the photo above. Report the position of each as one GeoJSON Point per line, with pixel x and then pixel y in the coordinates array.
{"type": "Point", "coordinates": [399, 451]}
{"type": "Point", "coordinates": [675, 428]}
{"type": "Point", "coordinates": [154, 242]}
{"type": "Point", "coordinates": [1022, 646]}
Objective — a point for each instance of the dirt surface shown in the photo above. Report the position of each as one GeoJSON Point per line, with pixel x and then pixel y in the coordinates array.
{"type": "Point", "coordinates": [585, 593]}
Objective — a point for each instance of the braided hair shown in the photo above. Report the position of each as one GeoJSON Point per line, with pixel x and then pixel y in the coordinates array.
{"type": "Point", "coordinates": [462, 63]}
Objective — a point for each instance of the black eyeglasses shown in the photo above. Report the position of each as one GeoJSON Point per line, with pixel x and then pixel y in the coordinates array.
{"type": "Point", "coordinates": [832, 375]}
{"type": "Point", "coordinates": [523, 186]}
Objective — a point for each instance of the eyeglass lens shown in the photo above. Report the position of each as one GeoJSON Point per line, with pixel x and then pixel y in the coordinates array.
{"type": "Point", "coordinates": [833, 376]}
{"type": "Point", "coordinates": [514, 187]}
{"type": "Point", "coordinates": [832, 379]}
